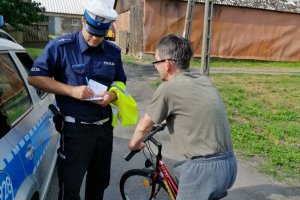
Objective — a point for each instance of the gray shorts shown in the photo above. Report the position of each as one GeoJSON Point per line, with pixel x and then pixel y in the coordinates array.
{"type": "Point", "coordinates": [205, 178]}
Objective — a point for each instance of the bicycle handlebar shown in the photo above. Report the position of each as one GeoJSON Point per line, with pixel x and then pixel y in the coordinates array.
{"type": "Point", "coordinates": [156, 128]}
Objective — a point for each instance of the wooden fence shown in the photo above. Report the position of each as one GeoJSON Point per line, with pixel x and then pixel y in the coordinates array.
{"type": "Point", "coordinates": [32, 34]}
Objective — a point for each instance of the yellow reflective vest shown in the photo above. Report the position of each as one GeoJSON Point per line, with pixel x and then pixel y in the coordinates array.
{"type": "Point", "coordinates": [124, 108]}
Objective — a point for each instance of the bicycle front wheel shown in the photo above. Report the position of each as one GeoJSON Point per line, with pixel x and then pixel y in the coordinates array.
{"type": "Point", "coordinates": [136, 184]}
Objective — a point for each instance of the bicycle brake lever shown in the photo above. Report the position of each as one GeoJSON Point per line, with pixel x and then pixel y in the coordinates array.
{"type": "Point", "coordinates": [131, 154]}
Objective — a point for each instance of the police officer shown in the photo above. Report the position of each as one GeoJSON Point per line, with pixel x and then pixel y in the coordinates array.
{"type": "Point", "coordinates": [63, 68]}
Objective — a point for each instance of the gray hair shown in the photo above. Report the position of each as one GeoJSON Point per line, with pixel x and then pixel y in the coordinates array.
{"type": "Point", "coordinates": [177, 48]}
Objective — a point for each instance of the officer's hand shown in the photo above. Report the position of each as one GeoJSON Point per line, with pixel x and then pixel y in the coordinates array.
{"type": "Point", "coordinates": [107, 98]}
{"type": "Point", "coordinates": [81, 92]}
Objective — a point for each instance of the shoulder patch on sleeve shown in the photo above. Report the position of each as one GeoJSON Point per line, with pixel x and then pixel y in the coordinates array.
{"type": "Point", "coordinates": [65, 39]}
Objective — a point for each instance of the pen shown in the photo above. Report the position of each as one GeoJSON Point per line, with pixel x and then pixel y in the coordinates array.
{"type": "Point", "coordinates": [87, 80]}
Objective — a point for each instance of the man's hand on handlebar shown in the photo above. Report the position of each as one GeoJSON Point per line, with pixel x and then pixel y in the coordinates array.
{"type": "Point", "coordinates": [142, 135]}
{"type": "Point", "coordinates": [132, 146]}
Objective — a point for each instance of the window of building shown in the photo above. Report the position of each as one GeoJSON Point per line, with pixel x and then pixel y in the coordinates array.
{"type": "Point", "coordinates": [14, 97]}
{"type": "Point", "coordinates": [75, 22]}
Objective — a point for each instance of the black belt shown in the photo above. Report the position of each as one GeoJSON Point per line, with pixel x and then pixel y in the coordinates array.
{"type": "Point", "coordinates": [212, 155]}
{"type": "Point", "coordinates": [206, 156]}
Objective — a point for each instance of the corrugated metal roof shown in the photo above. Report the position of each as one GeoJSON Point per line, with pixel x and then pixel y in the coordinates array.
{"type": "Point", "coordinates": [73, 7]}
{"type": "Point", "coordinates": [291, 6]}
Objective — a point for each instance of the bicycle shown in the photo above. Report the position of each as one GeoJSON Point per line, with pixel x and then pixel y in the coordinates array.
{"type": "Point", "coordinates": [150, 183]}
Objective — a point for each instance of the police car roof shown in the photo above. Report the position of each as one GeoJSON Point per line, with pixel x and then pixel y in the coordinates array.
{"type": "Point", "coordinates": [9, 45]}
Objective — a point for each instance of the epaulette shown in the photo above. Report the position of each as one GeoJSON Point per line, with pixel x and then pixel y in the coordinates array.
{"type": "Point", "coordinates": [65, 39]}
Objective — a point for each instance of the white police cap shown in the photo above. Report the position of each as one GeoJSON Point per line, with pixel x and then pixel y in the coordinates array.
{"type": "Point", "coordinates": [102, 9]}
{"type": "Point", "coordinates": [99, 15]}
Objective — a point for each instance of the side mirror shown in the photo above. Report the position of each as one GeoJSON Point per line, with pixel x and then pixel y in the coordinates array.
{"type": "Point", "coordinates": [1, 21]}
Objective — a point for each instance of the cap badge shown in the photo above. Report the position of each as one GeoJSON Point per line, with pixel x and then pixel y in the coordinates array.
{"type": "Point", "coordinates": [99, 19]}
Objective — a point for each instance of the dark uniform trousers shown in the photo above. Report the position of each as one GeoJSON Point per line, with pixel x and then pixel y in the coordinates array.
{"type": "Point", "coordinates": [84, 148]}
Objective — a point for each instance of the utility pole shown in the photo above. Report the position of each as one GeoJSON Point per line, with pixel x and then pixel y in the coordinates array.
{"type": "Point", "coordinates": [207, 25]}
{"type": "Point", "coordinates": [188, 19]}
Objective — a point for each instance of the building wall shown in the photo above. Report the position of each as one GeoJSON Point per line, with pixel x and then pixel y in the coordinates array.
{"type": "Point", "coordinates": [122, 22]}
{"type": "Point", "coordinates": [129, 26]}
{"type": "Point", "coordinates": [164, 17]}
{"type": "Point", "coordinates": [57, 25]}
{"type": "Point", "coordinates": [71, 24]}
{"type": "Point", "coordinates": [51, 25]}
{"type": "Point", "coordinates": [122, 31]}
{"type": "Point", "coordinates": [136, 29]}
{"type": "Point", "coordinates": [245, 33]}
{"type": "Point", "coordinates": [61, 25]}
{"type": "Point", "coordinates": [123, 5]}
{"type": "Point", "coordinates": [237, 33]}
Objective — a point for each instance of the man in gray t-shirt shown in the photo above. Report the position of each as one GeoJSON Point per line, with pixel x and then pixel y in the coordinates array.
{"type": "Point", "coordinates": [197, 123]}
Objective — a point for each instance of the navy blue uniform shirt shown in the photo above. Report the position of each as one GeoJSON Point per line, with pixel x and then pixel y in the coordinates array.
{"type": "Point", "coordinates": [70, 60]}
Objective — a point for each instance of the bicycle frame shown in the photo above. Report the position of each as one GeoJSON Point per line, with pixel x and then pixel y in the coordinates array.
{"type": "Point", "coordinates": [160, 169]}
{"type": "Point", "coordinates": [168, 180]}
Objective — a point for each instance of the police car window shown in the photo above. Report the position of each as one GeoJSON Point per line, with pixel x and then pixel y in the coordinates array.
{"type": "Point", "coordinates": [14, 98]}
{"type": "Point", "coordinates": [27, 63]}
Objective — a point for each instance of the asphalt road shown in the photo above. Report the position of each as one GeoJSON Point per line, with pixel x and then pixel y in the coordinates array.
{"type": "Point", "coordinates": [119, 166]}
{"type": "Point", "coordinates": [249, 185]}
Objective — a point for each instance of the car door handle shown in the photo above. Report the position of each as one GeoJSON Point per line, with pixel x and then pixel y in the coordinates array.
{"type": "Point", "coordinates": [30, 152]}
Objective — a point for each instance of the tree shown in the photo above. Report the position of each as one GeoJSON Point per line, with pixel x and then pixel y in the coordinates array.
{"type": "Point", "coordinates": [18, 13]}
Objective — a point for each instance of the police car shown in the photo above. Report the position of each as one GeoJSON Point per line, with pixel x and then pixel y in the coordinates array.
{"type": "Point", "coordinates": [28, 139]}
{"type": "Point", "coordinates": [5, 35]}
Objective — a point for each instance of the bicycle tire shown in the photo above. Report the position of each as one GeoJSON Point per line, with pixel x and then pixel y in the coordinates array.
{"type": "Point", "coordinates": [132, 186]}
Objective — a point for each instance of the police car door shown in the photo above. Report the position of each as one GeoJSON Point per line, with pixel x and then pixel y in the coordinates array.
{"type": "Point", "coordinates": [14, 105]}
{"type": "Point", "coordinates": [32, 135]}
{"type": "Point", "coordinates": [43, 136]}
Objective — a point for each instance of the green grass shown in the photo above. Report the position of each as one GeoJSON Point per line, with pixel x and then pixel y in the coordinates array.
{"type": "Point", "coordinates": [34, 52]}
{"type": "Point", "coordinates": [215, 62]}
{"type": "Point", "coordinates": [133, 61]}
{"type": "Point", "coordinates": [264, 115]}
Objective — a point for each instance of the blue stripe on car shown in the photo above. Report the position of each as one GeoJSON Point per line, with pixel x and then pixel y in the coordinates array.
{"type": "Point", "coordinates": [11, 164]}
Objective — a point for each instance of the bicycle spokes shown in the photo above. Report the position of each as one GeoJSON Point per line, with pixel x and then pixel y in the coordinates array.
{"type": "Point", "coordinates": [138, 185]}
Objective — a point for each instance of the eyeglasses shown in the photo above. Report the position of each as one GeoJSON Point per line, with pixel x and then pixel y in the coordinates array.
{"type": "Point", "coordinates": [163, 60]}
